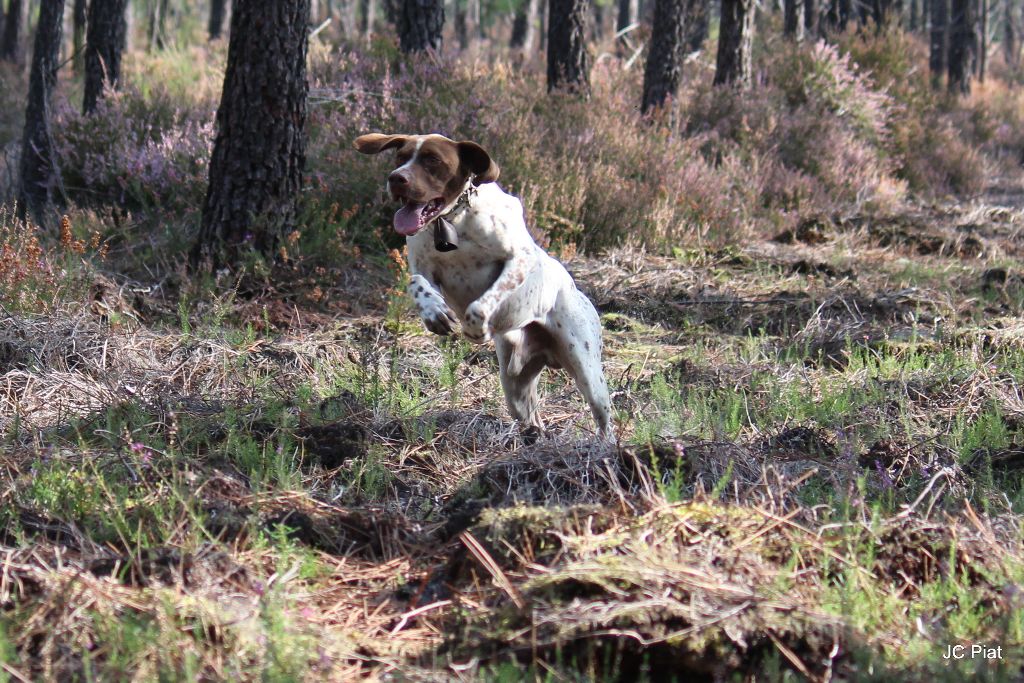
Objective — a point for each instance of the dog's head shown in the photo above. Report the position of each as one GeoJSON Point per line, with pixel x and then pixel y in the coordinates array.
{"type": "Point", "coordinates": [430, 173]}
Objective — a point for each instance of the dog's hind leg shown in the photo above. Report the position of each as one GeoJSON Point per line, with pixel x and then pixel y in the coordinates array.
{"type": "Point", "coordinates": [520, 375]}
{"type": "Point", "coordinates": [577, 332]}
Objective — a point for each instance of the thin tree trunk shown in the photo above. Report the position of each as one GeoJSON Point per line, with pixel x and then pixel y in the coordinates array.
{"type": "Point", "coordinates": [78, 22]}
{"type": "Point", "coordinates": [217, 12]}
{"type": "Point", "coordinates": [1011, 48]}
{"type": "Point", "coordinates": [811, 18]}
{"type": "Point", "coordinates": [982, 41]}
{"type": "Point", "coordinates": [698, 24]}
{"type": "Point", "coordinates": [598, 16]}
{"type": "Point", "coordinates": [367, 14]}
{"type": "Point", "coordinates": [104, 46]}
{"type": "Point", "coordinates": [912, 24]}
{"type": "Point", "coordinates": [793, 19]}
{"type": "Point", "coordinates": [461, 23]}
{"type": "Point", "coordinates": [568, 61]}
{"type": "Point", "coordinates": [14, 20]}
{"type": "Point", "coordinates": [39, 174]}
{"type": "Point", "coordinates": [158, 25]}
{"type": "Point", "coordinates": [961, 46]}
{"type": "Point", "coordinates": [736, 32]}
{"type": "Point", "coordinates": [938, 41]}
{"type": "Point", "coordinates": [626, 17]}
{"type": "Point", "coordinates": [545, 21]}
{"type": "Point", "coordinates": [259, 152]}
{"type": "Point", "coordinates": [524, 27]}
{"type": "Point", "coordinates": [419, 25]}
{"type": "Point", "coordinates": [664, 68]}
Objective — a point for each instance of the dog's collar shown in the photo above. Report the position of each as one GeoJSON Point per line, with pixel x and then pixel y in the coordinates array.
{"type": "Point", "coordinates": [446, 238]}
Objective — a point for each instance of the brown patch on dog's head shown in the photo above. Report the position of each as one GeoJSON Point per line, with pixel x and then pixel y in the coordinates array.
{"type": "Point", "coordinates": [430, 173]}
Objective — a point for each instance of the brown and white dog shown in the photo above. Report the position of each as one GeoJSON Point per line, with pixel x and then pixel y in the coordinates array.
{"type": "Point", "coordinates": [498, 282]}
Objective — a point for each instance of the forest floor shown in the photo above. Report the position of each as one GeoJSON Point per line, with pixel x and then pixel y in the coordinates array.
{"type": "Point", "coordinates": [818, 474]}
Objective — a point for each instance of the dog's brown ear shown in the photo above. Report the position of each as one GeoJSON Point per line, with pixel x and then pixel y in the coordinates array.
{"type": "Point", "coordinates": [375, 143]}
{"type": "Point", "coordinates": [479, 163]}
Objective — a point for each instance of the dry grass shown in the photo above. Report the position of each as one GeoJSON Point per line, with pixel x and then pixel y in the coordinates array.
{"type": "Point", "coordinates": [818, 473]}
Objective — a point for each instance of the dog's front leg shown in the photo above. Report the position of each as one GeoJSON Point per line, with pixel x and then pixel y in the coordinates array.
{"type": "Point", "coordinates": [435, 313]}
{"type": "Point", "coordinates": [478, 314]}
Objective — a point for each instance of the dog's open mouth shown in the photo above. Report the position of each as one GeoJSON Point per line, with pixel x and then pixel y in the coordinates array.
{"type": "Point", "coordinates": [411, 218]}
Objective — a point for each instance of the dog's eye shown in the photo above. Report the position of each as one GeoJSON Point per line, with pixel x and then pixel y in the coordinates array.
{"type": "Point", "coordinates": [430, 160]}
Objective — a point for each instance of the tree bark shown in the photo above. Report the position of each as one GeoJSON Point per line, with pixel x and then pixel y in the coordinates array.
{"type": "Point", "coordinates": [103, 49]}
{"type": "Point", "coordinates": [664, 68]}
{"type": "Point", "coordinates": [961, 46]}
{"type": "Point", "coordinates": [736, 32]}
{"type": "Point", "coordinates": [78, 23]}
{"type": "Point", "coordinates": [39, 175]}
{"type": "Point", "coordinates": [461, 23]}
{"type": "Point", "coordinates": [259, 152]}
{"type": "Point", "coordinates": [1011, 47]}
{"type": "Point", "coordinates": [157, 25]}
{"type": "Point", "coordinates": [217, 13]}
{"type": "Point", "coordinates": [793, 19]}
{"type": "Point", "coordinates": [367, 12]}
{"type": "Point", "coordinates": [937, 45]}
{"type": "Point", "coordinates": [14, 20]}
{"type": "Point", "coordinates": [626, 16]}
{"type": "Point", "coordinates": [811, 19]}
{"type": "Point", "coordinates": [568, 61]}
{"type": "Point", "coordinates": [524, 27]}
{"type": "Point", "coordinates": [698, 24]}
{"type": "Point", "coordinates": [981, 41]}
{"type": "Point", "coordinates": [419, 25]}
{"type": "Point", "coordinates": [598, 16]}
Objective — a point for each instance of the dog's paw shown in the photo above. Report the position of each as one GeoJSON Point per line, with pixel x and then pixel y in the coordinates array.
{"type": "Point", "coordinates": [439, 319]}
{"type": "Point", "coordinates": [474, 325]}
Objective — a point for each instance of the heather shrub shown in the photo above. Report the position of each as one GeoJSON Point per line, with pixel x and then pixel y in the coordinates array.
{"type": "Point", "coordinates": [814, 133]}
{"type": "Point", "coordinates": [928, 148]}
{"type": "Point", "coordinates": [574, 163]}
{"type": "Point", "coordinates": [136, 151]}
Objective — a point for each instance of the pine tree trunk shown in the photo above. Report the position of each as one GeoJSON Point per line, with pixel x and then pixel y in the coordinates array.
{"type": "Point", "coordinates": [736, 32]}
{"type": "Point", "coordinates": [217, 12]}
{"type": "Point", "coordinates": [10, 47]}
{"type": "Point", "coordinates": [568, 61]}
{"type": "Point", "coordinates": [938, 43]}
{"type": "Point", "coordinates": [104, 46]}
{"type": "Point", "coordinates": [157, 25]}
{"type": "Point", "coordinates": [981, 41]}
{"type": "Point", "coordinates": [664, 68]}
{"type": "Point", "coordinates": [961, 46]}
{"type": "Point", "coordinates": [698, 24]}
{"type": "Point", "coordinates": [259, 152]}
{"type": "Point", "coordinates": [461, 23]}
{"type": "Point", "coordinates": [39, 175]}
{"type": "Point", "coordinates": [625, 17]}
{"type": "Point", "coordinates": [524, 27]}
{"type": "Point", "coordinates": [1011, 47]}
{"type": "Point", "coordinates": [912, 24]}
{"type": "Point", "coordinates": [811, 19]}
{"type": "Point", "coordinates": [419, 25]}
{"type": "Point", "coordinates": [78, 23]}
{"type": "Point", "coordinates": [367, 14]}
{"type": "Point", "coordinates": [793, 19]}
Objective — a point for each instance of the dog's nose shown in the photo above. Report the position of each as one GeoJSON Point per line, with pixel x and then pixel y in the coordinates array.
{"type": "Point", "coordinates": [398, 179]}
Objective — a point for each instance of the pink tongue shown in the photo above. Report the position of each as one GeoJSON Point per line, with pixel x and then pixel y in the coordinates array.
{"type": "Point", "coordinates": [407, 219]}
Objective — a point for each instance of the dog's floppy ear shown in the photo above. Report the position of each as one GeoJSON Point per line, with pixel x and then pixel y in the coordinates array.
{"type": "Point", "coordinates": [375, 143]}
{"type": "Point", "coordinates": [479, 163]}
